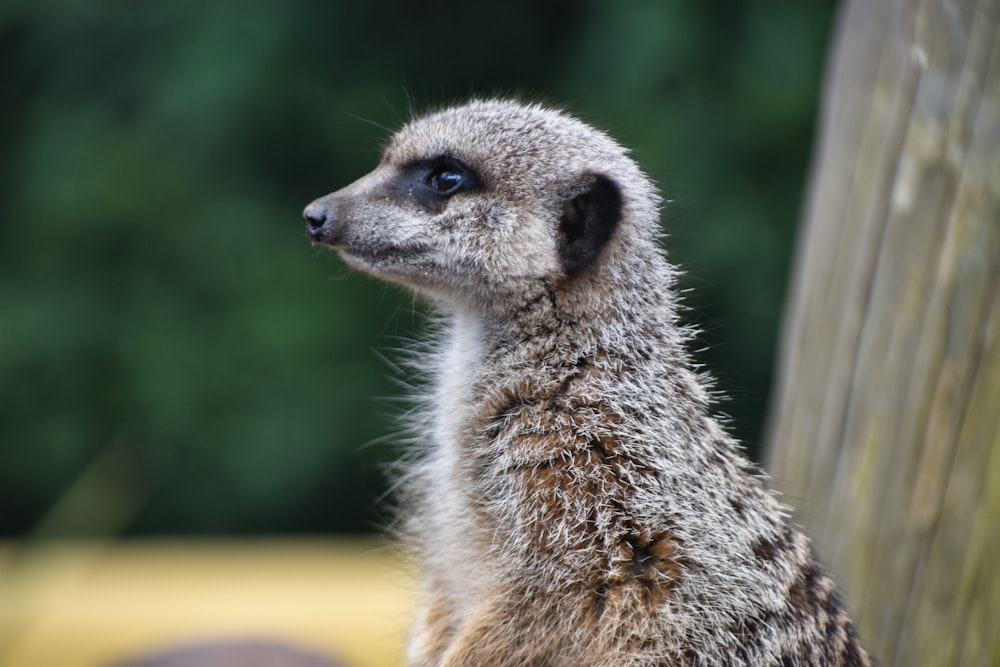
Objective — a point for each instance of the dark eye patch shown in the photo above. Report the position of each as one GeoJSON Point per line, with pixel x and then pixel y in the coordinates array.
{"type": "Point", "coordinates": [434, 181]}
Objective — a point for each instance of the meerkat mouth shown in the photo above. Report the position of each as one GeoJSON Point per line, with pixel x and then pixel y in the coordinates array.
{"type": "Point", "coordinates": [383, 259]}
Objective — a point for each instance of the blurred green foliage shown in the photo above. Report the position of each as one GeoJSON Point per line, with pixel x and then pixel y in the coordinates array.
{"type": "Point", "coordinates": [175, 358]}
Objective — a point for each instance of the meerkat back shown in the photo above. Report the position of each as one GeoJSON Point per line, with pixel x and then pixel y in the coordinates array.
{"type": "Point", "coordinates": [575, 502]}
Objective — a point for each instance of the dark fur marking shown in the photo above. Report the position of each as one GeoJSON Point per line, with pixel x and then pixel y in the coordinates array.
{"type": "Point", "coordinates": [513, 406]}
{"type": "Point", "coordinates": [564, 386]}
{"type": "Point", "coordinates": [526, 307]}
{"type": "Point", "coordinates": [549, 401]}
{"type": "Point", "coordinates": [555, 304]}
{"type": "Point", "coordinates": [601, 447]}
{"type": "Point", "coordinates": [577, 368]}
{"type": "Point", "coordinates": [738, 506]}
{"type": "Point", "coordinates": [653, 564]}
{"type": "Point", "coordinates": [852, 649]}
{"type": "Point", "coordinates": [765, 550]}
{"type": "Point", "coordinates": [600, 595]}
{"type": "Point", "coordinates": [640, 556]}
{"type": "Point", "coordinates": [587, 223]}
{"type": "Point", "coordinates": [804, 594]}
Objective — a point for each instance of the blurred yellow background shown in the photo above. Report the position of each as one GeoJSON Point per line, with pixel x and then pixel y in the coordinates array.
{"type": "Point", "coordinates": [84, 603]}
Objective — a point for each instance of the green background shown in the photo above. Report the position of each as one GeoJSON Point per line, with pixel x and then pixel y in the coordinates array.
{"type": "Point", "coordinates": [176, 359]}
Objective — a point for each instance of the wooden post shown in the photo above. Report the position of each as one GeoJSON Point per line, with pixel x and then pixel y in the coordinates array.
{"type": "Point", "coordinates": [885, 429]}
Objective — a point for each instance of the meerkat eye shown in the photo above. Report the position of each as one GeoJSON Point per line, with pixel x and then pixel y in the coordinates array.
{"type": "Point", "coordinates": [436, 180]}
{"type": "Point", "coordinates": [446, 179]}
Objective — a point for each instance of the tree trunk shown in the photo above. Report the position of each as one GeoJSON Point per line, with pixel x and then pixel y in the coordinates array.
{"type": "Point", "coordinates": [885, 430]}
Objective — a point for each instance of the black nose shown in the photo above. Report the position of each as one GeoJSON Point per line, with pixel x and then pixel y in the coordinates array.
{"type": "Point", "coordinates": [317, 220]}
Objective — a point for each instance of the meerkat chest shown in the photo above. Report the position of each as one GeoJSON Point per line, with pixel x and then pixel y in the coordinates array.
{"type": "Point", "coordinates": [461, 367]}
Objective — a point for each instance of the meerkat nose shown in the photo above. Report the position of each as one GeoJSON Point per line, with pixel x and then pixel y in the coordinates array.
{"type": "Point", "coordinates": [317, 219]}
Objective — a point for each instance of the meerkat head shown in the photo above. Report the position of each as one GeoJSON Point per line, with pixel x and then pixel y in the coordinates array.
{"type": "Point", "coordinates": [487, 201]}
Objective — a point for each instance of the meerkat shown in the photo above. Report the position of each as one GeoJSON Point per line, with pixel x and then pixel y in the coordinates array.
{"type": "Point", "coordinates": [576, 502]}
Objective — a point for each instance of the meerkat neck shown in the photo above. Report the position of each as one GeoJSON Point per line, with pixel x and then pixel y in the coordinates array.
{"type": "Point", "coordinates": [558, 320]}
{"type": "Point", "coordinates": [556, 336]}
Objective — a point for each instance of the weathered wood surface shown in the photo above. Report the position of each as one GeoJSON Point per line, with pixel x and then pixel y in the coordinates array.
{"type": "Point", "coordinates": [885, 430]}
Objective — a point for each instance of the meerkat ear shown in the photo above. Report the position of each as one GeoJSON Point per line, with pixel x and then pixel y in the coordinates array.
{"type": "Point", "coordinates": [587, 223]}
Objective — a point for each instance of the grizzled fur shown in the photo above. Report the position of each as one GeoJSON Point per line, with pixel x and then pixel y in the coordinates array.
{"type": "Point", "coordinates": [576, 504]}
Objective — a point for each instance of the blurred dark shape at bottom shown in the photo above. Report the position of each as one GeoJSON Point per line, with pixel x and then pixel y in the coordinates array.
{"type": "Point", "coordinates": [233, 653]}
